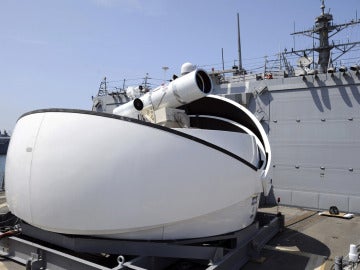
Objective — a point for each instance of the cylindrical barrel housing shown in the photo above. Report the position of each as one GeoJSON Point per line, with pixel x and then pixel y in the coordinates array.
{"type": "Point", "coordinates": [183, 90]}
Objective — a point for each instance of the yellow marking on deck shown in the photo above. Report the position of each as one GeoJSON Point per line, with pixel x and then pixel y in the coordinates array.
{"type": "Point", "coordinates": [3, 205]}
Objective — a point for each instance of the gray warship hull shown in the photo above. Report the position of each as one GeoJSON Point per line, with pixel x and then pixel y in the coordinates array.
{"type": "Point", "coordinates": [4, 144]}
{"type": "Point", "coordinates": [313, 124]}
{"type": "Point", "coordinates": [313, 127]}
{"type": "Point", "coordinates": [311, 114]}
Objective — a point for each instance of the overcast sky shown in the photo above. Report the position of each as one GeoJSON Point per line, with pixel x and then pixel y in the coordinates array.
{"type": "Point", "coordinates": [54, 53]}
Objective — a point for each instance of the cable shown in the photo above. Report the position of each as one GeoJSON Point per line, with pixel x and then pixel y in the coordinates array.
{"type": "Point", "coordinates": [9, 233]}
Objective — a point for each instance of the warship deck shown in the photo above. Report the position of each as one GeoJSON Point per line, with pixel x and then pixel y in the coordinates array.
{"type": "Point", "coordinates": [309, 241]}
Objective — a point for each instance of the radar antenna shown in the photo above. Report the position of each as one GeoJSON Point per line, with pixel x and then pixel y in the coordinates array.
{"type": "Point", "coordinates": [322, 31]}
{"type": "Point", "coordinates": [103, 88]}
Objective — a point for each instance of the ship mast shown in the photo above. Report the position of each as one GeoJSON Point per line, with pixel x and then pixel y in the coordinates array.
{"type": "Point", "coordinates": [241, 69]}
{"type": "Point", "coordinates": [103, 88]}
{"type": "Point", "coordinates": [323, 26]}
{"type": "Point", "coordinates": [239, 43]}
{"type": "Point", "coordinates": [322, 30]}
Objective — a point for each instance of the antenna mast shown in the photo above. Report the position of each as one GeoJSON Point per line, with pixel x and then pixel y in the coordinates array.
{"type": "Point", "coordinates": [103, 88]}
{"type": "Point", "coordinates": [239, 44]}
{"type": "Point", "coordinates": [324, 29]}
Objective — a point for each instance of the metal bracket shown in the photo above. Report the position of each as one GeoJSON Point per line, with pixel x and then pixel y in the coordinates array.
{"type": "Point", "coordinates": [37, 261]}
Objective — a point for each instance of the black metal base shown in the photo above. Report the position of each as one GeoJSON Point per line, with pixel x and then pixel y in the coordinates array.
{"type": "Point", "coordinates": [229, 251]}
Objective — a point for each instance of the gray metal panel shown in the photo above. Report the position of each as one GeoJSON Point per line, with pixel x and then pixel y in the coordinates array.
{"type": "Point", "coordinates": [286, 177]}
{"type": "Point", "coordinates": [317, 155]}
{"type": "Point", "coordinates": [354, 204]}
{"type": "Point", "coordinates": [327, 200]}
{"type": "Point", "coordinates": [305, 199]}
{"type": "Point", "coordinates": [318, 200]}
{"type": "Point", "coordinates": [315, 179]}
{"type": "Point", "coordinates": [307, 132]}
{"type": "Point", "coordinates": [316, 103]}
{"type": "Point", "coordinates": [284, 195]}
{"type": "Point", "coordinates": [314, 134]}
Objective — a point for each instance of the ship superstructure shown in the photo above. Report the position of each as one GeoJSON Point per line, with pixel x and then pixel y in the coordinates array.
{"type": "Point", "coordinates": [310, 111]}
{"type": "Point", "coordinates": [322, 31]}
{"type": "Point", "coordinates": [4, 142]}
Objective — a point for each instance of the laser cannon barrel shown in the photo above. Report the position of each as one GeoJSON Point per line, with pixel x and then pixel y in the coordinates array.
{"type": "Point", "coordinates": [183, 90]}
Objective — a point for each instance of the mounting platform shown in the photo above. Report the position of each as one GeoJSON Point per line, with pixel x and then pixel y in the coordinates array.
{"type": "Point", "coordinates": [39, 249]}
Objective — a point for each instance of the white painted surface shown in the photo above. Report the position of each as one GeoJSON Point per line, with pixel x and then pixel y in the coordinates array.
{"type": "Point", "coordinates": [85, 174]}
